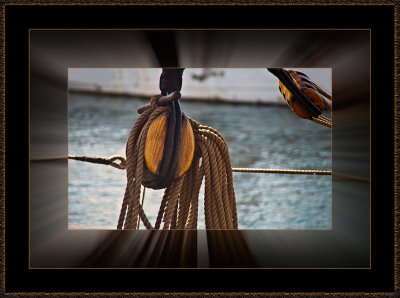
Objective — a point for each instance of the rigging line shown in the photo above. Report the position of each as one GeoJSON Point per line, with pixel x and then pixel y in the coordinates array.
{"type": "Point", "coordinates": [279, 171]}
{"type": "Point", "coordinates": [237, 170]}
{"type": "Point", "coordinates": [143, 193]}
{"type": "Point", "coordinates": [110, 161]}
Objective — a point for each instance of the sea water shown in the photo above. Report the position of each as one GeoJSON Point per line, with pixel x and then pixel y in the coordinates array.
{"type": "Point", "coordinates": [257, 136]}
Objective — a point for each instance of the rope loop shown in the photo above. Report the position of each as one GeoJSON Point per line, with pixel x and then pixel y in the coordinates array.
{"type": "Point", "coordinates": [122, 162]}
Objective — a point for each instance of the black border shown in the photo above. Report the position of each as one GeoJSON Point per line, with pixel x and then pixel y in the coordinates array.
{"type": "Point", "coordinates": [20, 18]}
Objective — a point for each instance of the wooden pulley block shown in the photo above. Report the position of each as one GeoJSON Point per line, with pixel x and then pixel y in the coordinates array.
{"type": "Point", "coordinates": [306, 86]}
{"type": "Point", "coordinates": [169, 148]}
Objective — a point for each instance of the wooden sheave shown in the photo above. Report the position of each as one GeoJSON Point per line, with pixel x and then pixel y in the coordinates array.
{"type": "Point", "coordinates": [169, 147]}
{"type": "Point", "coordinates": [307, 88]}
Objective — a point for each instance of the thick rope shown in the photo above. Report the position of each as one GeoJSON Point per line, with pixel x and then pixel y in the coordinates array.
{"type": "Point", "coordinates": [134, 169]}
{"type": "Point", "coordinates": [198, 173]}
{"type": "Point", "coordinates": [216, 137]}
{"type": "Point", "coordinates": [216, 185]}
{"type": "Point", "coordinates": [184, 202]}
{"type": "Point", "coordinates": [210, 217]}
{"type": "Point", "coordinates": [179, 206]}
{"type": "Point", "coordinates": [141, 209]}
{"type": "Point", "coordinates": [322, 120]}
{"type": "Point", "coordinates": [320, 90]}
{"type": "Point", "coordinates": [162, 208]}
{"type": "Point", "coordinates": [131, 141]}
{"type": "Point", "coordinates": [219, 202]}
{"type": "Point", "coordinates": [175, 188]}
{"type": "Point", "coordinates": [134, 189]}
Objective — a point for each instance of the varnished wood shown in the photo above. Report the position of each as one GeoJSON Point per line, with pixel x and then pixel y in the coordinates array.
{"type": "Point", "coordinates": [187, 147]}
{"type": "Point", "coordinates": [307, 89]}
{"type": "Point", "coordinates": [154, 147]}
{"type": "Point", "coordinates": [154, 152]}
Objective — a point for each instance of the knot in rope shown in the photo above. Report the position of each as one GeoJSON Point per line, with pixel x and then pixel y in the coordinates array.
{"type": "Point", "coordinates": [154, 101]}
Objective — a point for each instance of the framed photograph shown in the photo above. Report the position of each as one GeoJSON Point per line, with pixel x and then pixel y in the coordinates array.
{"type": "Point", "coordinates": [328, 230]}
{"type": "Point", "coordinates": [245, 106]}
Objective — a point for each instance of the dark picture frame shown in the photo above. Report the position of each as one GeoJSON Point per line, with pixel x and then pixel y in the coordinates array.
{"type": "Point", "coordinates": [41, 254]}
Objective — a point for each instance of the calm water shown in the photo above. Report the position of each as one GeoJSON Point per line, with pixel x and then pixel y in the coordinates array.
{"type": "Point", "coordinates": [257, 137]}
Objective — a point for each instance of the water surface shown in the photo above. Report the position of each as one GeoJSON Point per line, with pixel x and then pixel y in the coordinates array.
{"type": "Point", "coordinates": [257, 137]}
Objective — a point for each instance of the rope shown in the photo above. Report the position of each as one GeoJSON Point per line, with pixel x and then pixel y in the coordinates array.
{"type": "Point", "coordinates": [134, 162]}
{"type": "Point", "coordinates": [277, 171]}
{"type": "Point", "coordinates": [105, 161]}
{"type": "Point", "coordinates": [179, 205]}
{"type": "Point", "coordinates": [175, 188]}
{"type": "Point", "coordinates": [320, 90]}
{"type": "Point", "coordinates": [321, 119]}
{"type": "Point", "coordinates": [143, 193]}
{"type": "Point", "coordinates": [237, 170]}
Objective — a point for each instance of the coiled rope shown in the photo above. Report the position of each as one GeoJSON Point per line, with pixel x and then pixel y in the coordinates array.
{"type": "Point", "coordinates": [179, 206]}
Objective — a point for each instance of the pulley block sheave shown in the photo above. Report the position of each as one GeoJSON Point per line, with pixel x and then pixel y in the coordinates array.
{"type": "Point", "coordinates": [306, 87]}
{"type": "Point", "coordinates": [169, 148]}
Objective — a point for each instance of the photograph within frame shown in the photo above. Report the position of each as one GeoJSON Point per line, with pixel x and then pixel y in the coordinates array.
{"type": "Point", "coordinates": [244, 104]}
